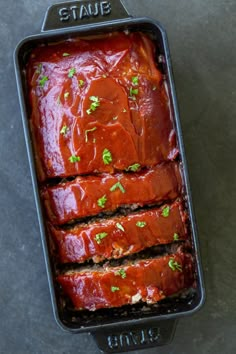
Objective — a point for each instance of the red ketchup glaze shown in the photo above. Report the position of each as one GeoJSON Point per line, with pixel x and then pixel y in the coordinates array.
{"type": "Point", "coordinates": [100, 106]}
{"type": "Point", "coordinates": [81, 197]}
{"type": "Point", "coordinates": [122, 236]}
{"type": "Point", "coordinates": [147, 281]}
{"type": "Point", "coordinates": [135, 128]}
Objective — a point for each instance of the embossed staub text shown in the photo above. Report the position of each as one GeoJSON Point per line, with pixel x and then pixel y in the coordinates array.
{"type": "Point", "coordinates": [134, 338]}
{"type": "Point", "coordinates": [84, 10]}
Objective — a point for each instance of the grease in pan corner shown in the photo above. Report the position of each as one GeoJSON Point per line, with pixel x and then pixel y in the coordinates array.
{"type": "Point", "coordinates": [105, 148]}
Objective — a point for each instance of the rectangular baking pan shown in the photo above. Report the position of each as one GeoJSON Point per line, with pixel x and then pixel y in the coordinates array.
{"type": "Point", "coordinates": [137, 326]}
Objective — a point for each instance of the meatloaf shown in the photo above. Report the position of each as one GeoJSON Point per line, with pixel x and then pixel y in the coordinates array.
{"type": "Point", "coordinates": [91, 195]}
{"type": "Point", "coordinates": [95, 104]}
{"type": "Point", "coordinates": [109, 171]}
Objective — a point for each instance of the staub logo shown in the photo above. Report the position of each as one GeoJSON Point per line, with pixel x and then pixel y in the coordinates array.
{"type": "Point", "coordinates": [134, 338]}
{"type": "Point", "coordinates": [84, 11]}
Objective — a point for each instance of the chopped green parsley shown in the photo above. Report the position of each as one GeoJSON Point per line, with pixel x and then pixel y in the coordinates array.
{"type": "Point", "coordinates": [102, 201]}
{"type": "Point", "coordinates": [94, 105]}
{"type": "Point", "coordinates": [39, 68]}
{"type": "Point", "coordinates": [166, 211]}
{"type": "Point", "coordinates": [135, 80]}
{"type": "Point", "coordinates": [71, 73]}
{"type": "Point", "coordinates": [176, 237]}
{"type": "Point", "coordinates": [134, 167]}
{"type": "Point", "coordinates": [107, 157]}
{"type": "Point", "coordinates": [117, 185]}
{"type": "Point", "coordinates": [98, 238]}
{"type": "Point", "coordinates": [74, 159]}
{"type": "Point", "coordinates": [141, 224]}
{"type": "Point", "coordinates": [133, 91]}
{"type": "Point", "coordinates": [43, 81]}
{"type": "Point", "coordinates": [174, 265]}
{"type": "Point", "coordinates": [120, 227]}
{"type": "Point", "coordinates": [64, 130]}
{"type": "Point", "coordinates": [114, 288]}
{"type": "Point", "coordinates": [122, 273]}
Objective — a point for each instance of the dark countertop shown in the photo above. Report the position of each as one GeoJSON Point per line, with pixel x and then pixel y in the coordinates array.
{"type": "Point", "coordinates": [202, 42]}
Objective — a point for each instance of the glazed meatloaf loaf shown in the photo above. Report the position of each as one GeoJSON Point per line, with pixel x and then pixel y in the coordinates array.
{"type": "Point", "coordinates": [95, 106]}
{"type": "Point", "coordinates": [108, 168]}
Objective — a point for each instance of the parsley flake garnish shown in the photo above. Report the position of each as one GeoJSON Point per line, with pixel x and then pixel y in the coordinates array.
{"type": "Point", "coordinates": [114, 288]}
{"type": "Point", "coordinates": [135, 80]}
{"type": "Point", "coordinates": [174, 265]}
{"type": "Point", "coordinates": [43, 81]}
{"type": "Point", "coordinates": [120, 227]}
{"type": "Point", "coordinates": [88, 131]}
{"type": "Point", "coordinates": [65, 54]}
{"type": "Point", "coordinates": [166, 212]}
{"type": "Point", "coordinates": [176, 237]}
{"type": "Point", "coordinates": [107, 157]}
{"type": "Point", "coordinates": [94, 105]}
{"type": "Point", "coordinates": [133, 91]}
{"type": "Point", "coordinates": [66, 94]}
{"type": "Point", "coordinates": [74, 159]}
{"type": "Point", "coordinates": [64, 130]}
{"type": "Point", "coordinates": [102, 201]}
{"type": "Point", "coordinates": [81, 83]}
{"type": "Point", "coordinates": [117, 185]}
{"type": "Point", "coordinates": [98, 238]}
{"type": "Point", "coordinates": [134, 167]}
{"type": "Point", "coordinates": [39, 68]}
{"type": "Point", "coordinates": [94, 99]}
{"type": "Point", "coordinates": [141, 224]}
{"type": "Point", "coordinates": [122, 273]}
{"type": "Point", "coordinates": [71, 73]}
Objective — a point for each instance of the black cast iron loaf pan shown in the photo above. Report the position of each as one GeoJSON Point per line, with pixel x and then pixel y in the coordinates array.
{"type": "Point", "coordinates": [137, 326]}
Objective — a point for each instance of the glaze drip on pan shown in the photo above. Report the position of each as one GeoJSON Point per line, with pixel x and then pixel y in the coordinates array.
{"type": "Point", "coordinates": [108, 167]}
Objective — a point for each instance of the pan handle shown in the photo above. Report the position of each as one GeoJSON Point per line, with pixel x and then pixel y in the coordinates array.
{"type": "Point", "coordinates": [135, 337]}
{"type": "Point", "coordinates": [86, 12]}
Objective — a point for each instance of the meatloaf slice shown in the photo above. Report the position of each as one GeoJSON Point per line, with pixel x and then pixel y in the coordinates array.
{"type": "Point", "coordinates": [91, 195]}
{"type": "Point", "coordinates": [149, 281]}
{"type": "Point", "coordinates": [121, 236]}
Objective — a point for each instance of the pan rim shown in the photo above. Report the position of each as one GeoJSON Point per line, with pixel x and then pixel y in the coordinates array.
{"type": "Point", "coordinates": [80, 30]}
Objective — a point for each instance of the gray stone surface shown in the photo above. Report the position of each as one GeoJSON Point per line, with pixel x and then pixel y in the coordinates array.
{"type": "Point", "coordinates": [202, 41]}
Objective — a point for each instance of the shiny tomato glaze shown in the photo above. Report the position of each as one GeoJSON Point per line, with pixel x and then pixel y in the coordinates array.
{"type": "Point", "coordinates": [132, 119]}
{"type": "Point", "coordinates": [147, 280]}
